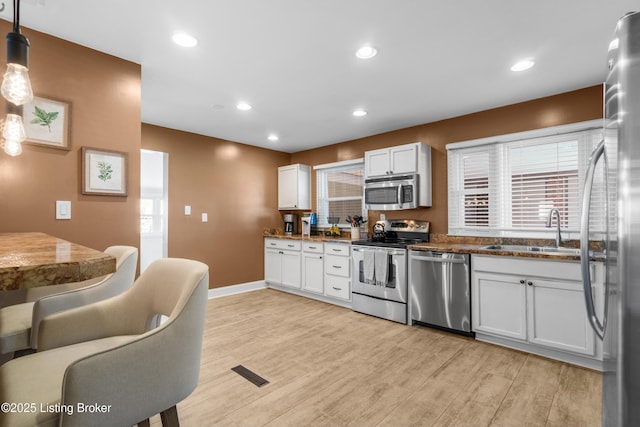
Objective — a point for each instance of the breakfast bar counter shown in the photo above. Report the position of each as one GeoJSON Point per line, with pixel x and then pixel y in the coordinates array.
{"type": "Point", "coordinates": [29, 260]}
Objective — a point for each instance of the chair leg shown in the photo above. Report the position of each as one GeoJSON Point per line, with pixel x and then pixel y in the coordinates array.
{"type": "Point", "coordinates": [169, 417]}
{"type": "Point", "coordinates": [144, 423]}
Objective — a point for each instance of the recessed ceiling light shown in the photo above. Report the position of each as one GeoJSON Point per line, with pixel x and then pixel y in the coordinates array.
{"type": "Point", "coordinates": [366, 52]}
{"type": "Point", "coordinates": [525, 64]}
{"type": "Point", "coordinates": [184, 40]}
{"type": "Point", "coordinates": [243, 106]}
{"type": "Point", "coordinates": [359, 113]}
{"type": "Point", "coordinates": [273, 137]}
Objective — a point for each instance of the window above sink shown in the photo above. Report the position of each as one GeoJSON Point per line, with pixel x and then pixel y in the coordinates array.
{"type": "Point", "coordinates": [505, 186]}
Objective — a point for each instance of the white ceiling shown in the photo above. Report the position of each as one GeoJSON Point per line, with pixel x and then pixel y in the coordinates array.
{"type": "Point", "coordinates": [293, 60]}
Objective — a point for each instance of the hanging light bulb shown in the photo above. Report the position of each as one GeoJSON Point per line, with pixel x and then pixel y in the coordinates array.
{"type": "Point", "coordinates": [12, 148]}
{"type": "Point", "coordinates": [16, 87]}
{"type": "Point", "coordinates": [14, 128]}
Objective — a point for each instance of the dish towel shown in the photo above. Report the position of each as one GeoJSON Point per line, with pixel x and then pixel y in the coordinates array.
{"type": "Point", "coordinates": [381, 267]}
{"type": "Point", "coordinates": [368, 266]}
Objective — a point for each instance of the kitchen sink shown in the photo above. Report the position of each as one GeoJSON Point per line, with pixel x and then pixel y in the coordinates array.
{"type": "Point", "coordinates": [524, 248]}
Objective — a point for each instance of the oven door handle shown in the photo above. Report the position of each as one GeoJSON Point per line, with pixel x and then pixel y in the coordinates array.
{"type": "Point", "coordinates": [399, 252]}
{"type": "Point", "coordinates": [400, 196]}
{"type": "Point", "coordinates": [441, 260]}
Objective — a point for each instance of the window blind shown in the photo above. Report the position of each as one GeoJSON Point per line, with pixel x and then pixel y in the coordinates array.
{"type": "Point", "coordinates": [340, 193]}
{"type": "Point", "coordinates": [508, 188]}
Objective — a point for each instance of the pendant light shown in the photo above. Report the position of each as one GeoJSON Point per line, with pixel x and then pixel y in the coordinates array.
{"type": "Point", "coordinates": [16, 87]}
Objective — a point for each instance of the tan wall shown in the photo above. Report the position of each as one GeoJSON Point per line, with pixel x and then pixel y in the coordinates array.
{"type": "Point", "coordinates": [235, 184]}
{"type": "Point", "coordinates": [104, 93]}
{"type": "Point", "coordinates": [570, 107]}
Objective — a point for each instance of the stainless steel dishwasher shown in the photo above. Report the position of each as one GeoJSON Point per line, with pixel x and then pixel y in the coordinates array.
{"type": "Point", "coordinates": [439, 290]}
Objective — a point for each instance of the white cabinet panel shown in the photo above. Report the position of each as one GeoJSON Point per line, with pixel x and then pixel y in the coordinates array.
{"type": "Point", "coordinates": [272, 266]}
{"type": "Point", "coordinates": [294, 187]}
{"type": "Point", "coordinates": [499, 305]}
{"type": "Point", "coordinates": [338, 265]}
{"type": "Point", "coordinates": [404, 159]}
{"type": "Point", "coordinates": [313, 267]}
{"type": "Point", "coordinates": [337, 287]}
{"type": "Point", "coordinates": [558, 318]}
{"type": "Point", "coordinates": [291, 269]}
{"type": "Point", "coordinates": [540, 303]}
{"type": "Point", "coordinates": [282, 262]}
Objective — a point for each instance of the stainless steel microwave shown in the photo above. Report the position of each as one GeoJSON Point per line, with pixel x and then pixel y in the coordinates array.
{"type": "Point", "coordinates": [391, 192]}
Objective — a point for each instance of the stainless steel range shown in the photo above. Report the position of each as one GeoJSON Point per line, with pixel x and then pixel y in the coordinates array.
{"type": "Point", "coordinates": [379, 282]}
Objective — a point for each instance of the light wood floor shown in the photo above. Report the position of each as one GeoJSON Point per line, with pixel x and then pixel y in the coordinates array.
{"type": "Point", "coordinates": [329, 366]}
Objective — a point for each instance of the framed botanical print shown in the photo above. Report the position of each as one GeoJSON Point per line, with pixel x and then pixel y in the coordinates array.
{"type": "Point", "coordinates": [46, 123]}
{"type": "Point", "coordinates": [104, 172]}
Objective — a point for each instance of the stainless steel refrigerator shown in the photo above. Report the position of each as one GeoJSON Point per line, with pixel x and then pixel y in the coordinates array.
{"type": "Point", "coordinates": [617, 158]}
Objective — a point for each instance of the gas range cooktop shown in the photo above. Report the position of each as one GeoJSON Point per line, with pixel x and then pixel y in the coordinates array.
{"type": "Point", "coordinates": [398, 234]}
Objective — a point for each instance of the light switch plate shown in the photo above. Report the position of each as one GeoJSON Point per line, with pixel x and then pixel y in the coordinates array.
{"type": "Point", "coordinates": [205, 217]}
{"type": "Point", "coordinates": [187, 210]}
{"type": "Point", "coordinates": [63, 209]}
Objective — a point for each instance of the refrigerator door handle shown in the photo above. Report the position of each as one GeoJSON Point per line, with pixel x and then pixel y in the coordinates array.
{"type": "Point", "coordinates": [598, 327]}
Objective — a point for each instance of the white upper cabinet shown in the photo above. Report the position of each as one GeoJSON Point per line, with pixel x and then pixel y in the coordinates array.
{"type": "Point", "coordinates": [414, 158]}
{"type": "Point", "coordinates": [402, 159]}
{"type": "Point", "coordinates": [294, 187]}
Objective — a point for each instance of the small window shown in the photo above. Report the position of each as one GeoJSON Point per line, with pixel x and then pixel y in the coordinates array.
{"type": "Point", "coordinates": [339, 192]}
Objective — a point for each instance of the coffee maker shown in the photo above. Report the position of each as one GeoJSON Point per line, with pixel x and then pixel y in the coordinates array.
{"type": "Point", "coordinates": [290, 224]}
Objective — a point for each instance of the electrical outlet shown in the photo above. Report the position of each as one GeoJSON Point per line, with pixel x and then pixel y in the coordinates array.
{"type": "Point", "coordinates": [187, 210]}
{"type": "Point", "coordinates": [205, 217]}
{"type": "Point", "coordinates": [382, 217]}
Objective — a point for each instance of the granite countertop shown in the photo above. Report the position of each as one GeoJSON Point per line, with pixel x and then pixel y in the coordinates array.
{"type": "Point", "coordinates": [472, 245]}
{"type": "Point", "coordinates": [30, 260]}
{"type": "Point", "coordinates": [320, 238]}
{"type": "Point", "coordinates": [477, 249]}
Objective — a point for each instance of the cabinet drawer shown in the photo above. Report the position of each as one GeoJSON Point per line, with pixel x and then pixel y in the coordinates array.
{"type": "Point", "coordinates": [337, 265]}
{"type": "Point", "coordinates": [313, 247]}
{"type": "Point", "coordinates": [290, 245]}
{"type": "Point", "coordinates": [338, 287]}
{"type": "Point", "coordinates": [340, 249]}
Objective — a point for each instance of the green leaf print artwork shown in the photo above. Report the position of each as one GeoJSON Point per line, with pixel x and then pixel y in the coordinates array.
{"type": "Point", "coordinates": [105, 170]}
{"type": "Point", "coordinates": [43, 118]}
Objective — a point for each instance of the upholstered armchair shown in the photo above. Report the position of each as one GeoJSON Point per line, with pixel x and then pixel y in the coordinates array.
{"type": "Point", "coordinates": [19, 324]}
{"type": "Point", "coordinates": [104, 354]}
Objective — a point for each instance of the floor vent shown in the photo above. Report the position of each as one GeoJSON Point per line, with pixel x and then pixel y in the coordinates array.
{"type": "Point", "coordinates": [249, 375]}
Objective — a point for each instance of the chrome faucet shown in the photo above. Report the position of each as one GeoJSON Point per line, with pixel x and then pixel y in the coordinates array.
{"type": "Point", "coordinates": [549, 218]}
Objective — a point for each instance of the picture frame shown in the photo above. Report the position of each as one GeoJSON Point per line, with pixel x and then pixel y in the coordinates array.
{"type": "Point", "coordinates": [47, 123]}
{"type": "Point", "coordinates": [104, 172]}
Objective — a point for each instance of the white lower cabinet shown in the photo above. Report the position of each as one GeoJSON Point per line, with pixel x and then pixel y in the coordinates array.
{"type": "Point", "coordinates": [282, 262]}
{"type": "Point", "coordinates": [534, 305]}
{"type": "Point", "coordinates": [313, 267]}
{"type": "Point", "coordinates": [310, 268]}
{"type": "Point", "coordinates": [337, 270]}
{"type": "Point", "coordinates": [499, 305]}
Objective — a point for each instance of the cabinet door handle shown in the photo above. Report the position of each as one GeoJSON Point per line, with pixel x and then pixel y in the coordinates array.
{"type": "Point", "coordinates": [290, 246]}
{"type": "Point", "coordinates": [336, 289]}
{"type": "Point", "coordinates": [337, 250]}
{"type": "Point", "coordinates": [522, 282]}
{"type": "Point", "coordinates": [530, 283]}
{"type": "Point", "coordinates": [336, 266]}
{"type": "Point", "coordinates": [312, 247]}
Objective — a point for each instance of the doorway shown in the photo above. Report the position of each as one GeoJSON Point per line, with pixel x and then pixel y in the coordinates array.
{"type": "Point", "coordinates": [154, 201]}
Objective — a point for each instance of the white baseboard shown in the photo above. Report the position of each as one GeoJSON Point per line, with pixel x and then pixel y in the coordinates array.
{"type": "Point", "coordinates": [236, 289]}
